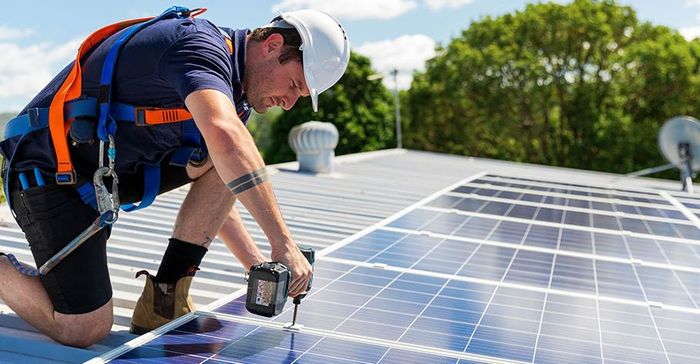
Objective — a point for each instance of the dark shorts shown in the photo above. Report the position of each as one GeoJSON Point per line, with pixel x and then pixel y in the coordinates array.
{"type": "Point", "coordinates": [51, 216]}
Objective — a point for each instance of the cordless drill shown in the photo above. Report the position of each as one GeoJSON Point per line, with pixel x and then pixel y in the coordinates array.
{"type": "Point", "coordinates": [268, 287]}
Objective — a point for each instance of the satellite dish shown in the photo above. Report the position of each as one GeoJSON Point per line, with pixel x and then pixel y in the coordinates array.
{"type": "Point", "coordinates": [679, 142]}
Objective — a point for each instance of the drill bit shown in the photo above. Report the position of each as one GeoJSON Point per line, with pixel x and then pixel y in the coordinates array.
{"type": "Point", "coordinates": [294, 317]}
{"type": "Point", "coordinates": [297, 301]}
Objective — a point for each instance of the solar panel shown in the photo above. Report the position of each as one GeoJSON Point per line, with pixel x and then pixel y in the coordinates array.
{"type": "Point", "coordinates": [496, 268]}
{"type": "Point", "coordinates": [215, 340]}
{"type": "Point", "coordinates": [692, 204]}
{"type": "Point", "coordinates": [572, 188]}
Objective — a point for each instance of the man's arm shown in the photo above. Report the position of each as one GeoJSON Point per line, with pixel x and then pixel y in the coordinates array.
{"type": "Point", "coordinates": [234, 154]}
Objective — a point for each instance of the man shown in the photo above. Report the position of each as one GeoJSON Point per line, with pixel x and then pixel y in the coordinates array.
{"type": "Point", "coordinates": [217, 74]}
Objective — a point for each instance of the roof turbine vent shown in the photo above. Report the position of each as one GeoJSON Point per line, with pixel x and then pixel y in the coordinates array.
{"type": "Point", "coordinates": [314, 143]}
{"type": "Point", "coordinates": [679, 141]}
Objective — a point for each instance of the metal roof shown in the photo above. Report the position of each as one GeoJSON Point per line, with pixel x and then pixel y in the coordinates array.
{"type": "Point", "coordinates": [319, 209]}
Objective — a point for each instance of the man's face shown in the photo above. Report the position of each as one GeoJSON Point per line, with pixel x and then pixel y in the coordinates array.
{"type": "Point", "coordinates": [268, 83]}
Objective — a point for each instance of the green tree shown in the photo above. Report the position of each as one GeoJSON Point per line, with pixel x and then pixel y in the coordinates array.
{"type": "Point", "coordinates": [260, 127]}
{"type": "Point", "coordinates": [582, 85]}
{"type": "Point", "coordinates": [360, 109]}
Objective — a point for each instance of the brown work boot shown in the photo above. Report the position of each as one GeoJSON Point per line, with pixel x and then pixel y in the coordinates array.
{"type": "Point", "coordinates": [161, 303]}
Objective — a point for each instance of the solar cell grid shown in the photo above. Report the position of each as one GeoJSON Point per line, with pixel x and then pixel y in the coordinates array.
{"type": "Point", "coordinates": [570, 274]}
{"type": "Point", "coordinates": [664, 286]}
{"type": "Point", "coordinates": [605, 244]}
{"type": "Point", "coordinates": [684, 195]}
{"type": "Point", "coordinates": [615, 279]}
{"type": "Point", "coordinates": [456, 315]}
{"type": "Point", "coordinates": [690, 281]}
{"type": "Point", "coordinates": [691, 205]}
{"type": "Point", "coordinates": [574, 192]}
{"type": "Point", "coordinates": [215, 340]}
{"type": "Point", "coordinates": [615, 224]}
{"type": "Point", "coordinates": [497, 206]}
{"type": "Point", "coordinates": [494, 177]}
{"type": "Point", "coordinates": [547, 276]}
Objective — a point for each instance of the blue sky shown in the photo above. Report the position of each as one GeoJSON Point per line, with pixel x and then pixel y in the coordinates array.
{"type": "Point", "coordinates": [37, 38]}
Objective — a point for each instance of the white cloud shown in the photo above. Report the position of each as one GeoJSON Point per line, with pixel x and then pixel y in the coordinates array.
{"type": "Point", "coordinates": [690, 33]}
{"type": "Point", "coordinates": [352, 9]}
{"type": "Point", "coordinates": [12, 33]}
{"type": "Point", "coordinates": [406, 53]}
{"type": "Point", "coordinates": [26, 70]}
{"type": "Point", "coordinates": [692, 2]}
{"type": "Point", "coordinates": [451, 4]}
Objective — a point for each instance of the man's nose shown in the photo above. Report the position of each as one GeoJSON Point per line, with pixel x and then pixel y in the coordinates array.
{"type": "Point", "coordinates": [289, 101]}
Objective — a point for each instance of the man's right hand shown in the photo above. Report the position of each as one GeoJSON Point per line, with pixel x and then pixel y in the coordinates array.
{"type": "Point", "coordinates": [291, 256]}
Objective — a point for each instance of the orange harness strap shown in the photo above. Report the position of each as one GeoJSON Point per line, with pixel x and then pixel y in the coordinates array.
{"type": "Point", "coordinates": [69, 90]}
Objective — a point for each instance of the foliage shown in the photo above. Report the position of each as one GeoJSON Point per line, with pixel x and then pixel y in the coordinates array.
{"type": "Point", "coordinates": [362, 111]}
{"type": "Point", "coordinates": [582, 85]}
{"type": "Point", "coordinates": [260, 127]}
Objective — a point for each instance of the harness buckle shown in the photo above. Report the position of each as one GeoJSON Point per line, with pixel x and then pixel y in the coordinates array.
{"type": "Point", "coordinates": [146, 116]}
{"type": "Point", "coordinates": [194, 12]}
{"type": "Point", "coordinates": [140, 116]}
{"type": "Point", "coordinates": [34, 117]}
{"type": "Point", "coordinates": [65, 178]}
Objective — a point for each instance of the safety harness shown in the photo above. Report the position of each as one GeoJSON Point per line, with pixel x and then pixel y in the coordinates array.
{"type": "Point", "coordinates": [69, 104]}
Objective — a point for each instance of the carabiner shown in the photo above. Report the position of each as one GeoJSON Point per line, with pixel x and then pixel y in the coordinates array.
{"type": "Point", "coordinates": [106, 201]}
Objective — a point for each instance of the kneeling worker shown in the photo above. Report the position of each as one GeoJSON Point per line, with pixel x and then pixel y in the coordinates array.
{"type": "Point", "coordinates": [154, 104]}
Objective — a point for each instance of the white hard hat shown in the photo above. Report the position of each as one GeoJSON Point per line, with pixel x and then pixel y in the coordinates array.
{"type": "Point", "coordinates": [325, 48]}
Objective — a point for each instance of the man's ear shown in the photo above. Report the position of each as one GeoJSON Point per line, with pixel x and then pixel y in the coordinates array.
{"type": "Point", "coordinates": [274, 42]}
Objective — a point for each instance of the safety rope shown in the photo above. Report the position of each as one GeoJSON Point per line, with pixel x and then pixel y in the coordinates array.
{"type": "Point", "coordinates": [27, 271]}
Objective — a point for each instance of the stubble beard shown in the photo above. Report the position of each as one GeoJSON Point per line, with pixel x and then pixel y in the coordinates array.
{"type": "Point", "coordinates": [258, 84]}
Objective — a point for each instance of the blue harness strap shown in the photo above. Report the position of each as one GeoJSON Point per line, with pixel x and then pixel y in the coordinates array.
{"type": "Point", "coordinates": [105, 124]}
{"type": "Point", "coordinates": [87, 194]}
{"type": "Point", "coordinates": [191, 143]}
{"type": "Point", "coordinates": [151, 176]}
{"type": "Point", "coordinates": [151, 186]}
{"type": "Point", "coordinates": [38, 118]}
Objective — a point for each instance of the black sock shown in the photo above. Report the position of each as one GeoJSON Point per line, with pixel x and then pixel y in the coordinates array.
{"type": "Point", "coordinates": [180, 259]}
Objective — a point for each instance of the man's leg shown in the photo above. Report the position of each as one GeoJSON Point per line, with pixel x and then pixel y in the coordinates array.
{"type": "Point", "coordinates": [165, 296]}
{"type": "Point", "coordinates": [231, 229]}
{"type": "Point", "coordinates": [71, 304]}
{"type": "Point", "coordinates": [28, 298]}
{"type": "Point", "coordinates": [237, 239]}
{"type": "Point", "coordinates": [206, 206]}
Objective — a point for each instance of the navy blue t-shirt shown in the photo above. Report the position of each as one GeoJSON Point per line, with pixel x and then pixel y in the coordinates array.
{"type": "Point", "coordinates": [158, 67]}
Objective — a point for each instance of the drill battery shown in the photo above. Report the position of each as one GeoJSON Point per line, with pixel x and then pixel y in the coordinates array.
{"type": "Point", "coordinates": [268, 286]}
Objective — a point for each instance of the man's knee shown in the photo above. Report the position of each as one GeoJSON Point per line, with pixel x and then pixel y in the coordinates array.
{"type": "Point", "coordinates": [208, 179]}
{"type": "Point", "coordinates": [85, 329]}
{"type": "Point", "coordinates": [195, 172]}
